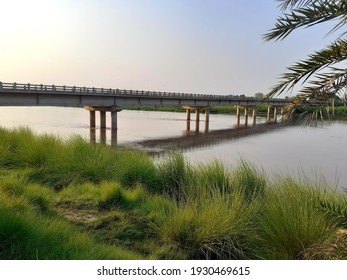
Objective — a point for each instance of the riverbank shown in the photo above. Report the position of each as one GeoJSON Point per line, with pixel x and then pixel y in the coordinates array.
{"type": "Point", "coordinates": [72, 200]}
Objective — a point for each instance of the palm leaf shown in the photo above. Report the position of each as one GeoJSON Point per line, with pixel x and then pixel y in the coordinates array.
{"type": "Point", "coordinates": [286, 4]}
{"type": "Point", "coordinates": [334, 212]}
{"type": "Point", "coordinates": [307, 14]}
{"type": "Point", "coordinates": [320, 79]}
{"type": "Point", "coordinates": [303, 70]}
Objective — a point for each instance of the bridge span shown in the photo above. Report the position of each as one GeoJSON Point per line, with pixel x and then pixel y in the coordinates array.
{"type": "Point", "coordinates": [104, 100]}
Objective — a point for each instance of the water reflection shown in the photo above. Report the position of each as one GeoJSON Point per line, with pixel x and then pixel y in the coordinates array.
{"type": "Point", "coordinates": [103, 136]}
{"type": "Point", "coordinates": [192, 140]}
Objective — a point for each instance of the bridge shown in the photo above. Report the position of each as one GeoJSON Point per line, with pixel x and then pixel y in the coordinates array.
{"type": "Point", "coordinates": [104, 100]}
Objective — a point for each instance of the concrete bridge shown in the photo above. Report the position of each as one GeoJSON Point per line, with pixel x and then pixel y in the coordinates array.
{"type": "Point", "coordinates": [104, 100]}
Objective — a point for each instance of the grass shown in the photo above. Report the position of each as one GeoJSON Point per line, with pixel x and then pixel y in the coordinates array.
{"type": "Point", "coordinates": [340, 111]}
{"type": "Point", "coordinates": [289, 221]}
{"type": "Point", "coordinates": [210, 226]}
{"type": "Point", "coordinates": [30, 228]}
{"type": "Point", "coordinates": [73, 200]}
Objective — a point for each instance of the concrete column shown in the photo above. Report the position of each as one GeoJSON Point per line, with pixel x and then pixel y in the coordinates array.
{"type": "Point", "coordinates": [246, 116]}
{"type": "Point", "coordinates": [268, 114]}
{"type": "Point", "coordinates": [188, 119]}
{"type": "Point", "coordinates": [102, 119]}
{"type": "Point", "coordinates": [275, 114]}
{"type": "Point", "coordinates": [92, 119]}
{"type": "Point", "coordinates": [197, 109]}
{"type": "Point", "coordinates": [114, 124]}
{"type": "Point", "coordinates": [188, 114]}
{"type": "Point", "coordinates": [282, 114]}
{"type": "Point", "coordinates": [187, 125]}
{"type": "Point", "coordinates": [238, 115]}
{"type": "Point", "coordinates": [92, 135]}
{"type": "Point", "coordinates": [207, 119]}
{"type": "Point", "coordinates": [114, 137]}
{"type": "Point", "coordinates": [197, 119]}
{"type": "Point", "coordinates": [254, 116]}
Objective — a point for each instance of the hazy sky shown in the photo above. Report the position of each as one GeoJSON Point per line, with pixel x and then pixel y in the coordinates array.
{"type": "Point", "coordinates": [197, 46]}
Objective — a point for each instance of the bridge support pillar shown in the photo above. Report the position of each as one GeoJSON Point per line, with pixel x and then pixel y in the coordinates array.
{"type": "Point", "coordinates": [197, 109]}
{"type": "Point", "coordinates": [282, 114]}
{"type": "Point", "coordinates": [188, 119]}
{"type": "Point", "coordinates": [275, 114]}
{"type": "Point", "coordinates": [197, 119]}
{"type": "Point", "coordinates": [254, 116]}
{"type": "Point", "coordinates": [102, 119]}
{"type": "Point", "coordinates": [238, 115]}
{"type": "Point", "coordinates": [114, 121]}
{"type": "Point", "coordinates": [92, 135]}
{"type": "Point", "coordinates": [92, 119]}
{"type": "Point", "coordinates": [268, 114]}
{"type": "Point", "coordinates": [246, 116]}
{"type": "Point", "coordinates": [207, 119]}
{"type": "Point", "coordinates": [114, 137]}
{"type": "Point", "coordinates": [188, 114]}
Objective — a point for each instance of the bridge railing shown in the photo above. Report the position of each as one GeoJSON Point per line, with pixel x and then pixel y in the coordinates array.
{"type": "Point", "coordinates": [41, 88]}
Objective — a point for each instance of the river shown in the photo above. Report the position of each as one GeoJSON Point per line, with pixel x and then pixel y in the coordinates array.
{"type": "Point", "coordinates": [319, 153]}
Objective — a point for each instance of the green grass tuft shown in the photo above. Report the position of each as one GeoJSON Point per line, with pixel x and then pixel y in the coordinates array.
{"type": "Point", "coordinates": [289, 221]}
{"type": "Point", "coordinates": [176, 175]}
{"type": "Point", "coordinates": [213, 226]}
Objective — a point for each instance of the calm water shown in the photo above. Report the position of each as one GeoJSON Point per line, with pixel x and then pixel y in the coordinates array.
{"type": "Point", "coordinates": [316, 152]}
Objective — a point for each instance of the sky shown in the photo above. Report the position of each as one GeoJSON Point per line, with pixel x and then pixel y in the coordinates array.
{"type": "Point", "coordinates": [191, 46]}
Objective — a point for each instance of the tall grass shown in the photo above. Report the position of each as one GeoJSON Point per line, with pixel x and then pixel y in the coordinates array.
{"type": "Point", "coordinates": [103, 196]}
{"type": "Point", "coordinates": [175, 175]}
{"type": "Point", "coordinates": [211, 177]}
{"type": "Point", "coordinates": [289, 221]}
{"type": "Point", "coordinates": [213, 226]}
{"type": "Point", "coordinates": [30, 228]}
{"type": "Point", "coordinates": [57, 164]}
{"type": "Point", "coordinates": [249, 180]}
{"type": "Point", "coordinates": [33, 237]}
{"type": "Point", "coordinates": [28, 195]}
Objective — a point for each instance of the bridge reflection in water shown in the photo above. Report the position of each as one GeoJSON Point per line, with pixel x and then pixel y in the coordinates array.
{"type": "Point", "coordinates": [191, 140]}
{"type": "Point", "coordinates": [103, 136]}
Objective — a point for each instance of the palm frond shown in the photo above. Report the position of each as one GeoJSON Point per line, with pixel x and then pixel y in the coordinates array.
{"type": "Point", "coordinates": [318, 75]}
{"type": "Point", "coordinates": [308, 110]}
{"type": "Point", "coordinates": [303, 70]}
{"type": "Point", "coordinates": [332, 83]}
{"type": "Point", "coordinates": [307, 14]}
{"type": "Point", "coordinates": [334, 212]}
{"type": "Point", "coordinates": [317, 101]}
{"type": "Point", "coordinates": [286, 4]}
